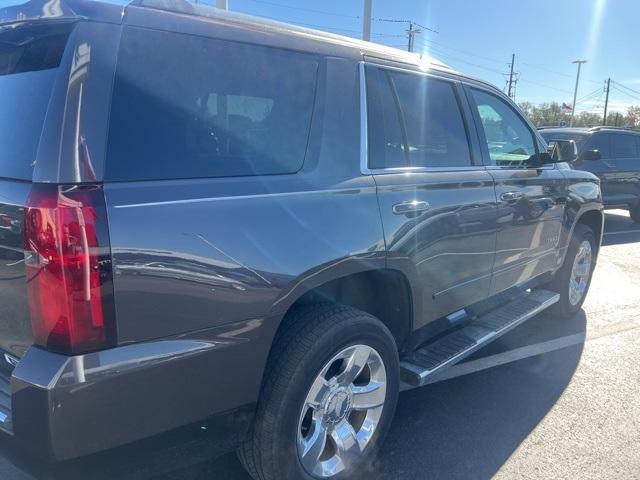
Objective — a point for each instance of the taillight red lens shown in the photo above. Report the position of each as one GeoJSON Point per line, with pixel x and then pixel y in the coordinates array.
{"type": "Point", "coordinates": [67, 257]}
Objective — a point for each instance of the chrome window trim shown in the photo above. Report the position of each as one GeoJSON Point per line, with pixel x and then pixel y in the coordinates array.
{"type": "Point", "coordinates": [364, 127]}
{"type": "Point", "coordinates": [364, 124]}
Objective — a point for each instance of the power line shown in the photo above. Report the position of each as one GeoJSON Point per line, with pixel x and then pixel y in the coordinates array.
{"type": "Point", "coordinates": [398, 20]}
{"type": "Point", "coordinates": [588, 96]}
{"type": "Point", "coordinates": [626, 88]}
{"type": "Point", "coordinates": [447, 55]}
{"type": "Point", "coordinates": [464, 52]}
{"type": "Point", "coordinates": [555, 72]}
{"type": "Point", "coordinates": [628, 94]}
{"type": "Point", "coordinates": [545, 86]}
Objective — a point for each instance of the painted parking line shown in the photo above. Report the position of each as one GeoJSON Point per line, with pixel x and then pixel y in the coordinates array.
{"type": "Point", "coordinates": [528, 351]}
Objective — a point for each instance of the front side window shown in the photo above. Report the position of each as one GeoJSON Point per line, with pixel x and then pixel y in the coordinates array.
{"type": "Point", "coordinates": [600, 142]}
{"type": "Point", "coordinates": [624, 146]}
{"type": "Point", "coordinates": [414, 121]}
{"type": "Point", "coordinates": [509, 140]}
{"type": "Point", "coordinates": [193, 107]}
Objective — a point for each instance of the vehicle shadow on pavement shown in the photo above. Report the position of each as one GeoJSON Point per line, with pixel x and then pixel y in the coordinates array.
{"type": "Point", "coordinates": [462, 428]}
{"type": "Point", "coordinates": [619, 228]}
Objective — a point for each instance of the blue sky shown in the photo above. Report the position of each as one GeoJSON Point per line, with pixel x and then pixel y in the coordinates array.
{"type": "Point", "coordinates": [479, 36]}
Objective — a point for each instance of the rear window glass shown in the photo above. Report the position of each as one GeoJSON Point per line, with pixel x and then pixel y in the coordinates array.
{"type": "Point", "coordinates": [189, 107]}
{"type": "Point", "coordinates": [28, 60]}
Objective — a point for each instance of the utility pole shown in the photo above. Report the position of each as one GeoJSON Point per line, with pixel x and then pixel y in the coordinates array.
{"type": "Point", "coordinates": [222, 4]}
{"type": "Point", "coordinates": [606, 102]}
{"type": "Point", "coordinates": [513, 60]}
{"type": "Point", "coordinates": [366, 21]}
{"type": "Point", "coordinates": [575, 91]}
{"type": "Point", "coordinates": [412, 32]}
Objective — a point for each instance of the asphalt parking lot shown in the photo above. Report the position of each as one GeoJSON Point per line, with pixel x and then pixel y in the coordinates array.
{"type": "Point", "coordinates": [552, 399]}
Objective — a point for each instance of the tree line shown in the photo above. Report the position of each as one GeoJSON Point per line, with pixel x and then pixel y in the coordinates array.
{"type": "Point", "coordinates": [552, 114]}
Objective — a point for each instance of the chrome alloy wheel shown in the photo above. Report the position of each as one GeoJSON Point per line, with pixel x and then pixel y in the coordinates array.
{"type": "Point", "coordinates": [342, 411]}
{"type": "Point", "coordinates": [580, 273]}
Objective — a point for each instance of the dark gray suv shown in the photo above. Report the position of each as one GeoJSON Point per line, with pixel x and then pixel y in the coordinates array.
{"type": "Point", "coordinates": [613, 154]}
{"type": "Point", "coordinates": [207, 217]}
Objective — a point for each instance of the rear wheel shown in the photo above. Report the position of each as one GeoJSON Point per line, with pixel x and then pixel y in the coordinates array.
{"type": "Point", "coordinates": [634, 212]}
{"type": "Point", "coordinates": [328, 398]}
{"type": "Point", "coordinates": [573, 279]}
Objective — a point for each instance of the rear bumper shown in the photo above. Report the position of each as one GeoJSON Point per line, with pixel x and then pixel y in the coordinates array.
{"type": "Point", "coordinates": [66, 407]}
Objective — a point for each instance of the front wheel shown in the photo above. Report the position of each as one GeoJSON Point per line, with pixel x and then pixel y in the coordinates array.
{"type": "Point", "coordinates": [328, 398]}
{"type": "Point", "coordinates": [573, 279]}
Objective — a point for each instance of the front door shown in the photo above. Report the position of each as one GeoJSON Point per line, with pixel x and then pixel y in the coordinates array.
{"type": "Point", "coordinates": [531, 198]}
{"type": "Point", "coordinates": [438, 207]}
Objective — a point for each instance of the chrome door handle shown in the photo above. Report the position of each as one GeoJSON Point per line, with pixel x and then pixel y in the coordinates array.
{"type": "Point", "coordinates": [511, 196]}
{"type": "Point", "coordinates": [412, 206]}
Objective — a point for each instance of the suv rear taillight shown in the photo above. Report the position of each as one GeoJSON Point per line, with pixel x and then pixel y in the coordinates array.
{"type": "Point", "coordinates": [68, 263]}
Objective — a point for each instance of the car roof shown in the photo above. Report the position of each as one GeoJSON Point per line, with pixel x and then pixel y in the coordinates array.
{"type": "Point", "coordinates": [588, 130]}
{"type": "Point", "coordinates": [13, 11]}
{"type": "Point", "coordinates": [566, 130]}
{"type": "Point", "coordinates": [115, 11]}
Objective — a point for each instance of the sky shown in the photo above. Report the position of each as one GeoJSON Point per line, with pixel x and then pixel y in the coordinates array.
{"type": "Point", "coordinates": [478, 37]}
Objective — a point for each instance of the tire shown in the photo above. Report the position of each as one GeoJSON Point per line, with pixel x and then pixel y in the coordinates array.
{"type": "Point", "coordinates": [310, 338]}
{"type": "Point", "coordinates": [568, 305]}
{"type": "Point", "coordinates": [634, 213]}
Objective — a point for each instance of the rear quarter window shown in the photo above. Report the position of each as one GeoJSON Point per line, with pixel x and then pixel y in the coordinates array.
{"type": "Point", "coordinates": [29, 57]}
{"type": "Point", "coordinates": [193, 107]}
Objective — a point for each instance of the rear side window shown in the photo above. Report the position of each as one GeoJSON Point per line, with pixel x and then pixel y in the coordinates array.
{"type": "Point", "coordinates": [29, 57]}
{"type": "Point", "coordinates": [189, 107]}
{"type": "Point", "coordinates": [420, 120]}
{"type": "Point", "coordinates": [624, 146]}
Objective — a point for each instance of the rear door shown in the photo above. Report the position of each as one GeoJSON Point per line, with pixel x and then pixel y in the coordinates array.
{"type": "Point", "coordinates": [437, 204]}
{"type": "Point", "coordinates": [531, 199]}
{"type": "Point", "coordinates": [621, 181]}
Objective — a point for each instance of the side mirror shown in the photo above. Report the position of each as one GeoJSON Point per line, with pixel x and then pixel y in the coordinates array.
{"type": "Point", "coordinates": [563, 150]}
{"type": "Point", "coordinates": [590, 155]}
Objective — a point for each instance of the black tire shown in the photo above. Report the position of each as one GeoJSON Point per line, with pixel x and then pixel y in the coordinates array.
{"type": "Point", "coordinates": [564, 308]}
{"type": "Point", "coordinates": [310, 337]}
{"type": "Point", "coordinates": [634, 213]}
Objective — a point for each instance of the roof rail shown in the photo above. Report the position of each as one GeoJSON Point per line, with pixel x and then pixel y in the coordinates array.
{"type": "Point", "coordinates": [607, 127]}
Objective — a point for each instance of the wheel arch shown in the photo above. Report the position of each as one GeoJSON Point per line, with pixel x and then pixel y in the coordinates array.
{"type": "Point", "coordinates": [382, 292]}
{"type": "Point", "coordinates": [594, 219]}
{"type": "Point", "coordinates": [368, 288]}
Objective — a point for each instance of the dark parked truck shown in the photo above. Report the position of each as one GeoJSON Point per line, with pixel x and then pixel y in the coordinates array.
{"type": "Point", "coordinates": [204, 216]}
{"type": "Point", "coordinates": [611, 153]}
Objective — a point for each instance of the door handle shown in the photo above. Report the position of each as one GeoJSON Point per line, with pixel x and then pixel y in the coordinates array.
{"type": "Point", "coordinates": [410, 207]}
{"type": "Point", "coordinates": [511, 196]}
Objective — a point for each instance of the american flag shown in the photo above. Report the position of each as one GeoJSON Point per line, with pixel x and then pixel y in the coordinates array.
{"type": "Point", "coordinates": [566, 107]}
